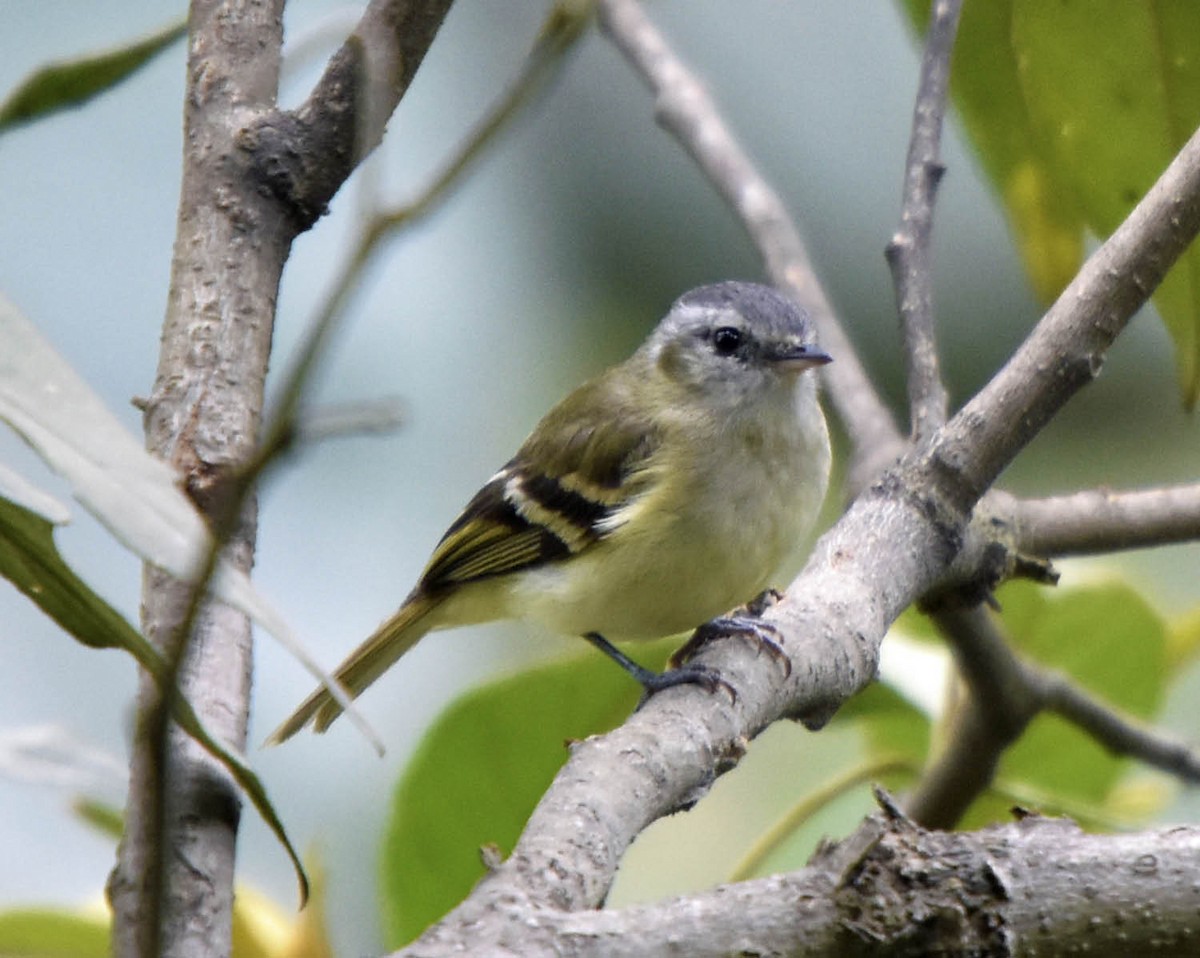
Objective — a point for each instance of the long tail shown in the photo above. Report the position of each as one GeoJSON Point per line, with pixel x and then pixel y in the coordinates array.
{"type": "Point", "coordinates": [365, 664]}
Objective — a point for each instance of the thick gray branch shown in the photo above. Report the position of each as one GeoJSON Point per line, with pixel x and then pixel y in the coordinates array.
{"type": "Point", "coordinates": [1038, 886]}
{"type": "Point", "coordinates": [172, 889]}
{"type": "Point", "coordinates": [303, 156]}
{"type": "Point", "coordinates": [203, 417]}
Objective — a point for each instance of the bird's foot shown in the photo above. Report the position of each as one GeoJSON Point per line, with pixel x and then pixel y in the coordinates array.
{"type": "Point", "coordinates": [744, 622]}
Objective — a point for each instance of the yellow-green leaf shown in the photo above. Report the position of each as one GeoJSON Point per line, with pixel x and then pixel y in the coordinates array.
{"type": "Point", "coordinates": [68, 83]}
{"type": "Point", "coordinates": [1113, 92]}
{"type": "Point", "coordinates": [1046, 222]}
{"type": "Point", "coordinates": [1075, 109]}
{"type": "Point", "coordinates": [477, 775]}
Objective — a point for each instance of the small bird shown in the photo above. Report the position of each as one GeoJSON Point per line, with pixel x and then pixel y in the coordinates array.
{"type": "Point", "coordinates": [662, 493]}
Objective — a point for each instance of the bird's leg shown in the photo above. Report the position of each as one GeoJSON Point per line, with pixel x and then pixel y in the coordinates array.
{"type": "Point", "coordinates": [653, 682]}
{"type": "Point", "coordinates": [743, 621]}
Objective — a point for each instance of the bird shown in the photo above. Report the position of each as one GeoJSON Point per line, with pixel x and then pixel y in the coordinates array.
{"type": "Point", "coordinates": [654, 497]}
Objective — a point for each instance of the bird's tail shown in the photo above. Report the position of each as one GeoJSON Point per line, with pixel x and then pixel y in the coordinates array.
{"type": "Point", "coordinates": [365, 664]}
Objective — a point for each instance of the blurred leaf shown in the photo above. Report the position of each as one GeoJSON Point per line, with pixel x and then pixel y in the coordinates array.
{"type": "Point", "coordinates": [30, 561]}
{"type": "Point", "coordinates": [477, 775]}
{"type": "Point", "coordinates": [262, 929]}
{"type": "Point", "coordinates": [1046, 221]}
{"type": "Point", "coordinates": [1183, 641]}
{"type": "Point", "coordinates": [1113, 90]}
{"type": "Point", "coordinates": [1110, 642]}
{"type": "Point", "coordinates": [52, 933]}
{"type": "Point", "coordinates": [68, 83]}
{"type": "Point", "coordinates": [105, 818]}
{"type": "Point", "coordinates": [1075, 109]}
{"type": "Point", "coordinates": [132, 493]}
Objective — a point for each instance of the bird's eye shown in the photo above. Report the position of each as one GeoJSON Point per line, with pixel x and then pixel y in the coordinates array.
{"type": "Point", "coordinates": [726, 340]}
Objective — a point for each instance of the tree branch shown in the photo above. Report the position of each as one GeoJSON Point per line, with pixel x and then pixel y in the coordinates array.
{"type": "Point", "coordinates": [1066, 349]}
{"type": "Point", "coordinates": [684, 108]}
{"type": "Point", "coordinates": [303, 156]}
{"type": "Point", "coordinates": [999, 705]}
{"type": "Point", "coordinates": [910, 252]}
{"type": "Point", "coordinates": [1102, 520]}
{"type": "Point", "coordinates": [1119, 734]}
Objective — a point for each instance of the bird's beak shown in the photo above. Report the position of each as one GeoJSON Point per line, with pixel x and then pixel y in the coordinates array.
{"type": "Point", "coordinates": [796, 359]}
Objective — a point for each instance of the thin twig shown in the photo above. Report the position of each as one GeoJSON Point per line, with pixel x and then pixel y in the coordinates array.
{"type": "Point", "coordinates": [1102, 520]}
{"type": "Point", "coordinates": [341, 420]}
{"type": "Point", "coordinates": [684, 108]}
{"type": "Point", "coordinates": [910, 252]}
{"type": "Point", "coordinates": [1119, 734]}
{"type": "Point", "coordinates": [563, 27]}
{"type": "Point", "coordinates": [812, 803]}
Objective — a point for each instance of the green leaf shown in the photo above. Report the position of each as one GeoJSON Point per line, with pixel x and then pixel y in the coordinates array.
{"type": "Point", "coordinates": [1046, 221]}
{"type": "Point", "coordinates": [106, 819]}
{"type": "Point", "coordinates": [1113, 90]}
{"type": "Point", "coordinates": [1108, 639]}
{"type": "Point", "coordinates": [29, 559]}
{"type": "Point", "coordinates": [477, 775]}
{"type": "Point", "coordinates": [1075, 109]}
{"type": "Point", "coordinates": [52, 933]}
{"type": "Point", "coordinates": [68, 83]}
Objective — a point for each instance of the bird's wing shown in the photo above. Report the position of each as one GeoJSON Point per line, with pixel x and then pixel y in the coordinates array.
{"type": "Point", "coordinates": [527, 515]}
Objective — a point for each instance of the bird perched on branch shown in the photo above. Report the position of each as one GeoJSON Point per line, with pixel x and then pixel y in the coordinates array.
{"type": "Point", "coordinates": [662, 493]}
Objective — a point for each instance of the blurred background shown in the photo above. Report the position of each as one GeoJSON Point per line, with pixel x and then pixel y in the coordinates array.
{"type": "Point", "coordinates": [552, 261]}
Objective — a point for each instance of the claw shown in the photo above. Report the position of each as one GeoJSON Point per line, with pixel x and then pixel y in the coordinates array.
{"type": "Point", "coordinates": [743, 622]}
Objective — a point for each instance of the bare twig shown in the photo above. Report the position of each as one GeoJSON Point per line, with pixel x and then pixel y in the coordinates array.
{"type": "Point", "coordinates": [1119, 734]}
{"type": "Point", "coordinates": [1067, 347]}
{"type": "Point", "coordinates": [562, 28]}
{"type": "Point", "coordinates": [341, 420]}
{"type": "Point", "coordinates": [910, 252]}
{"type": "Point", "coordinates": [1103, 520]}
{"type": "Point", "coordinates": [684, 108]}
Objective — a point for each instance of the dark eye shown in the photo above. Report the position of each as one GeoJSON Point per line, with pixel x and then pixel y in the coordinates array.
{"type": "Point", "coordinates": [726, 340]}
